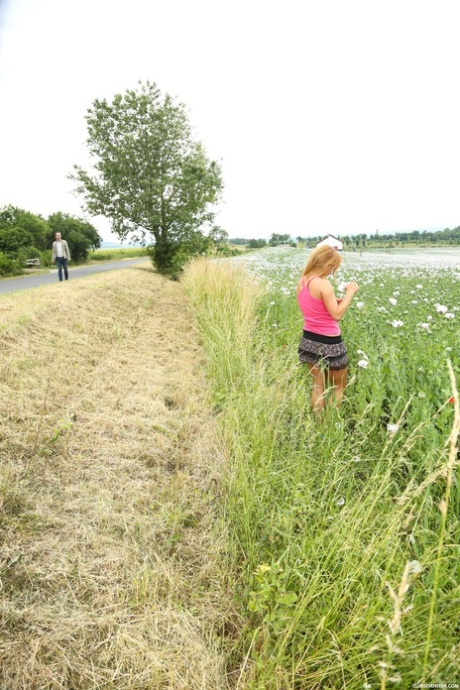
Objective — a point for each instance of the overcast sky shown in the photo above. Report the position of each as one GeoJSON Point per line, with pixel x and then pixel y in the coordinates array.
{"type": "Point", "coordinates": [339, 116]}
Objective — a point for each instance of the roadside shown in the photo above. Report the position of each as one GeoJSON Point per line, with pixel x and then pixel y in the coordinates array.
{"type": "Point", "coordinates": [49, 276]}
{"type": "Point", "coordinates": [100, 256]}
{"type": "Point", "coordinates": [113, 569]}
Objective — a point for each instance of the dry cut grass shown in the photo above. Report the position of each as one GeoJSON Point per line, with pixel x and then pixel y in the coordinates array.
{"type": "Point", "coordinates": [112, 566]}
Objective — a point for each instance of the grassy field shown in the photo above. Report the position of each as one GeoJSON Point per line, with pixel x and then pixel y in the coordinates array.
{"type": "Point", "coordinates": [116, 254]}
{"type": "Point", "coordinates": [173, 517]}
{"type": "Point", "coordinates": [347, 529]}
{"type": "Point", "coordinates": [113, 567]}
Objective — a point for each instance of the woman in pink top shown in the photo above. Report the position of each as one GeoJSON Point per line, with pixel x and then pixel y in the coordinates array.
{"type": "Point", "coordinates": [321, 346]}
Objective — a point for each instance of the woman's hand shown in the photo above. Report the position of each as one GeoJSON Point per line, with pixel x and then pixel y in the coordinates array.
{"type": "Point", "coordinates": [337, 307]}
{"type": "Point", "coordinates": [351, 288]}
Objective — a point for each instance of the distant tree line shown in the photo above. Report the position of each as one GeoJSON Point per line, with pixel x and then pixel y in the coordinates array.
{"type": "Point", "coordinates": [375, 240]}
{"type": "Point", "coordinates": [274, 240]}
{"type": "Point", "coordinates": [25, 235]}
{"type": "Point", "coordinates": [446, 237]}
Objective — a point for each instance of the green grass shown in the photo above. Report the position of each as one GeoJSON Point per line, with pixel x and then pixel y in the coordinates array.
{"type": "Point", "coordinates": [346, 534]}
{"type": "Point", "coordinates": [116, 254]}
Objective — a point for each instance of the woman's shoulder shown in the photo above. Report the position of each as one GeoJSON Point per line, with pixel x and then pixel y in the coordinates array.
{"type": "Point", "coordinates": [318, 280]}
{"type": "Point", "coordinates": [319, 286]}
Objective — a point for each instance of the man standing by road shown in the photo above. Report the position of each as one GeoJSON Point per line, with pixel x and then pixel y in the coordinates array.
{"type": "Point", "coordinates": [61, 255]}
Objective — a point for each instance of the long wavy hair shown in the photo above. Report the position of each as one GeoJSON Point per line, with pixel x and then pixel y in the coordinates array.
{"type": "Point", "coordinates": [322, 262]}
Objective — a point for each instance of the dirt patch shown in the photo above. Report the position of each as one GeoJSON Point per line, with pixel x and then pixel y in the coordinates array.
{"type": "Point", "coordinates": [113, 561]}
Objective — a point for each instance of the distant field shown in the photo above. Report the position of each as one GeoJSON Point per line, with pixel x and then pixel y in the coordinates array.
{"type": "Point", "coordinates": [117, 253]}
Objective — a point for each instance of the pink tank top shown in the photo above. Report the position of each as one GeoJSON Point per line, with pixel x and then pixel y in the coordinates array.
{"type": "Point", "coordinates": [316, 317]}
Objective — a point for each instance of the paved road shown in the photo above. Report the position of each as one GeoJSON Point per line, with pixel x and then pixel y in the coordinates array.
{"type": "Point", "coordinates": [27, 282]}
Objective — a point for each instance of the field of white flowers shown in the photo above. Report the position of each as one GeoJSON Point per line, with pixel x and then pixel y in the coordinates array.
{"type": "Point", "coordinates": [402, 326]}
{"type": "Point", "coordinates": [346, 530]}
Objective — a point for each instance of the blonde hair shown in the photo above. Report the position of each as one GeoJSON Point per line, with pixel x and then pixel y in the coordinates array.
{"type": "Point", "coordinates": [322, 262]}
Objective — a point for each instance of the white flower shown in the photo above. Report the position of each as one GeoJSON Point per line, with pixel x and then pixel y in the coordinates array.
{"type": "Point", "coordinates": [419, 287]}
{"type": "Point", "coordinates": [367, 686]}
{"type": "Point", "coordinates": [415, 567]}
{"type": "Point", "coordinates": [272, 303]}
{"type": "Point", "coordinates": [360, 352]}
{"type": "Point", "coordinates": [392, 428]}
{"type": "Point", "coordinates": [396, 323]}
{"type": "Point", "coordinates": [342, 287]}
{"type": "Point", "coordinates": [448, 349]}
{"type": "Point", "coordinates": [441, 309]}
{"type": "Point", "coordinates": [449, 315]}
{"type": "Point", "coordinates": [415, 301]}
{"type": "Point", "coordinates": [429, 318]}
{"type": "Point", "coordinates": [393, 301]}
{"type": "Point", "coordinates": [424, 325]}
{"type": "Point", "coordinates": [381, 309]}
{"type": "Point", "coordinates": [341, 502]}
{"type": "Point", "coordinates": [396, 292]}
{"type": "Point", "coordinates": [363, 363]}
{"type": "Point", "coordinates": [360, 305]}
{"type": "Point", "coordinates": [274, 325]}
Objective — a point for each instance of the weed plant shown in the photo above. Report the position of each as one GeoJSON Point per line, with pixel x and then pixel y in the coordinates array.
{"type": "Point", "coordinates": [346, 529]}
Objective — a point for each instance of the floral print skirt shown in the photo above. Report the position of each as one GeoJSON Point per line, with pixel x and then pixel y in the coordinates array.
{"type": "Point", "coordinates": [323, 350]}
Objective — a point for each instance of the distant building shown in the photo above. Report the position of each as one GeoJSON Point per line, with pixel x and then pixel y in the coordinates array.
{"type": "Point", "coordinates": [331, 241]}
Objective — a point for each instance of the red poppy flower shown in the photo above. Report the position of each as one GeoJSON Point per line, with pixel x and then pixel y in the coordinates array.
{"type": "Point", "coordinates": [452, 399]}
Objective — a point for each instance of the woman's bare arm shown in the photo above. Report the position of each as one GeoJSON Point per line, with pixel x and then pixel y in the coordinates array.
{"type": "Point", "coordinates": [336, 309]}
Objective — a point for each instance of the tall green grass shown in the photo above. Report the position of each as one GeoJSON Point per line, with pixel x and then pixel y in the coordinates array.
{"type": "Point", "coordinates": [346, 549]}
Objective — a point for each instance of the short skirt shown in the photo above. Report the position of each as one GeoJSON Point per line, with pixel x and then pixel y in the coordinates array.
{"type": "Point", "coordinates": [323, 350]}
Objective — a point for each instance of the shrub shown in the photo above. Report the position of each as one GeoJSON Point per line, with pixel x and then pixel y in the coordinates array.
{"type": "Point", "coordinates": [9, 266]}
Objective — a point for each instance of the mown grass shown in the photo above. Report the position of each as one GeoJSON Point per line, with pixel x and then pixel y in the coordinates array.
{"type": "Point", "coordinates": [114, 567]}
{"type": "Point", "coordinates": [347, 534]}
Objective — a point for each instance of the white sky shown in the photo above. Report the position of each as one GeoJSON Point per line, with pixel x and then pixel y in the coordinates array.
{"type": "Point", "coordinates": [338, 116]}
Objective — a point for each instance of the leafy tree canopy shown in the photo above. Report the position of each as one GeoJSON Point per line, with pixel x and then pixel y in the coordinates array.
{"type": "Point", "coordinates": [13, 239]}
{"type": "Point", "coordinates": [151, 178]}
{"type": "Point", "coordinates": [238, 240]}
{"type": "Point", "coordinates": [276, 239]}
{"type": "Point", "coordinates": [80, 235]}
{"type": "Point", "coordinates": [33, 226]}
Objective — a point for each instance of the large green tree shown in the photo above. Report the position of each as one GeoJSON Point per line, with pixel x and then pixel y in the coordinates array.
{"type": "Point", "coordinates": [13, 240]}
{"type": "Point", "coordinates": [277, 238]}
{"type": "Point", "coordinates": [33, 227]}
{"type": "Point", "coordinates": [151, 178]}
{"type": "Point", "coordinates": [80, 235]}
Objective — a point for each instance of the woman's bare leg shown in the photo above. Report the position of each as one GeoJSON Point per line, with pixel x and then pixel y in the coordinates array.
{"type": "Point", "coordinates": [317, 392]}
{"type": "Point", "coordinates": [338, 379]}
